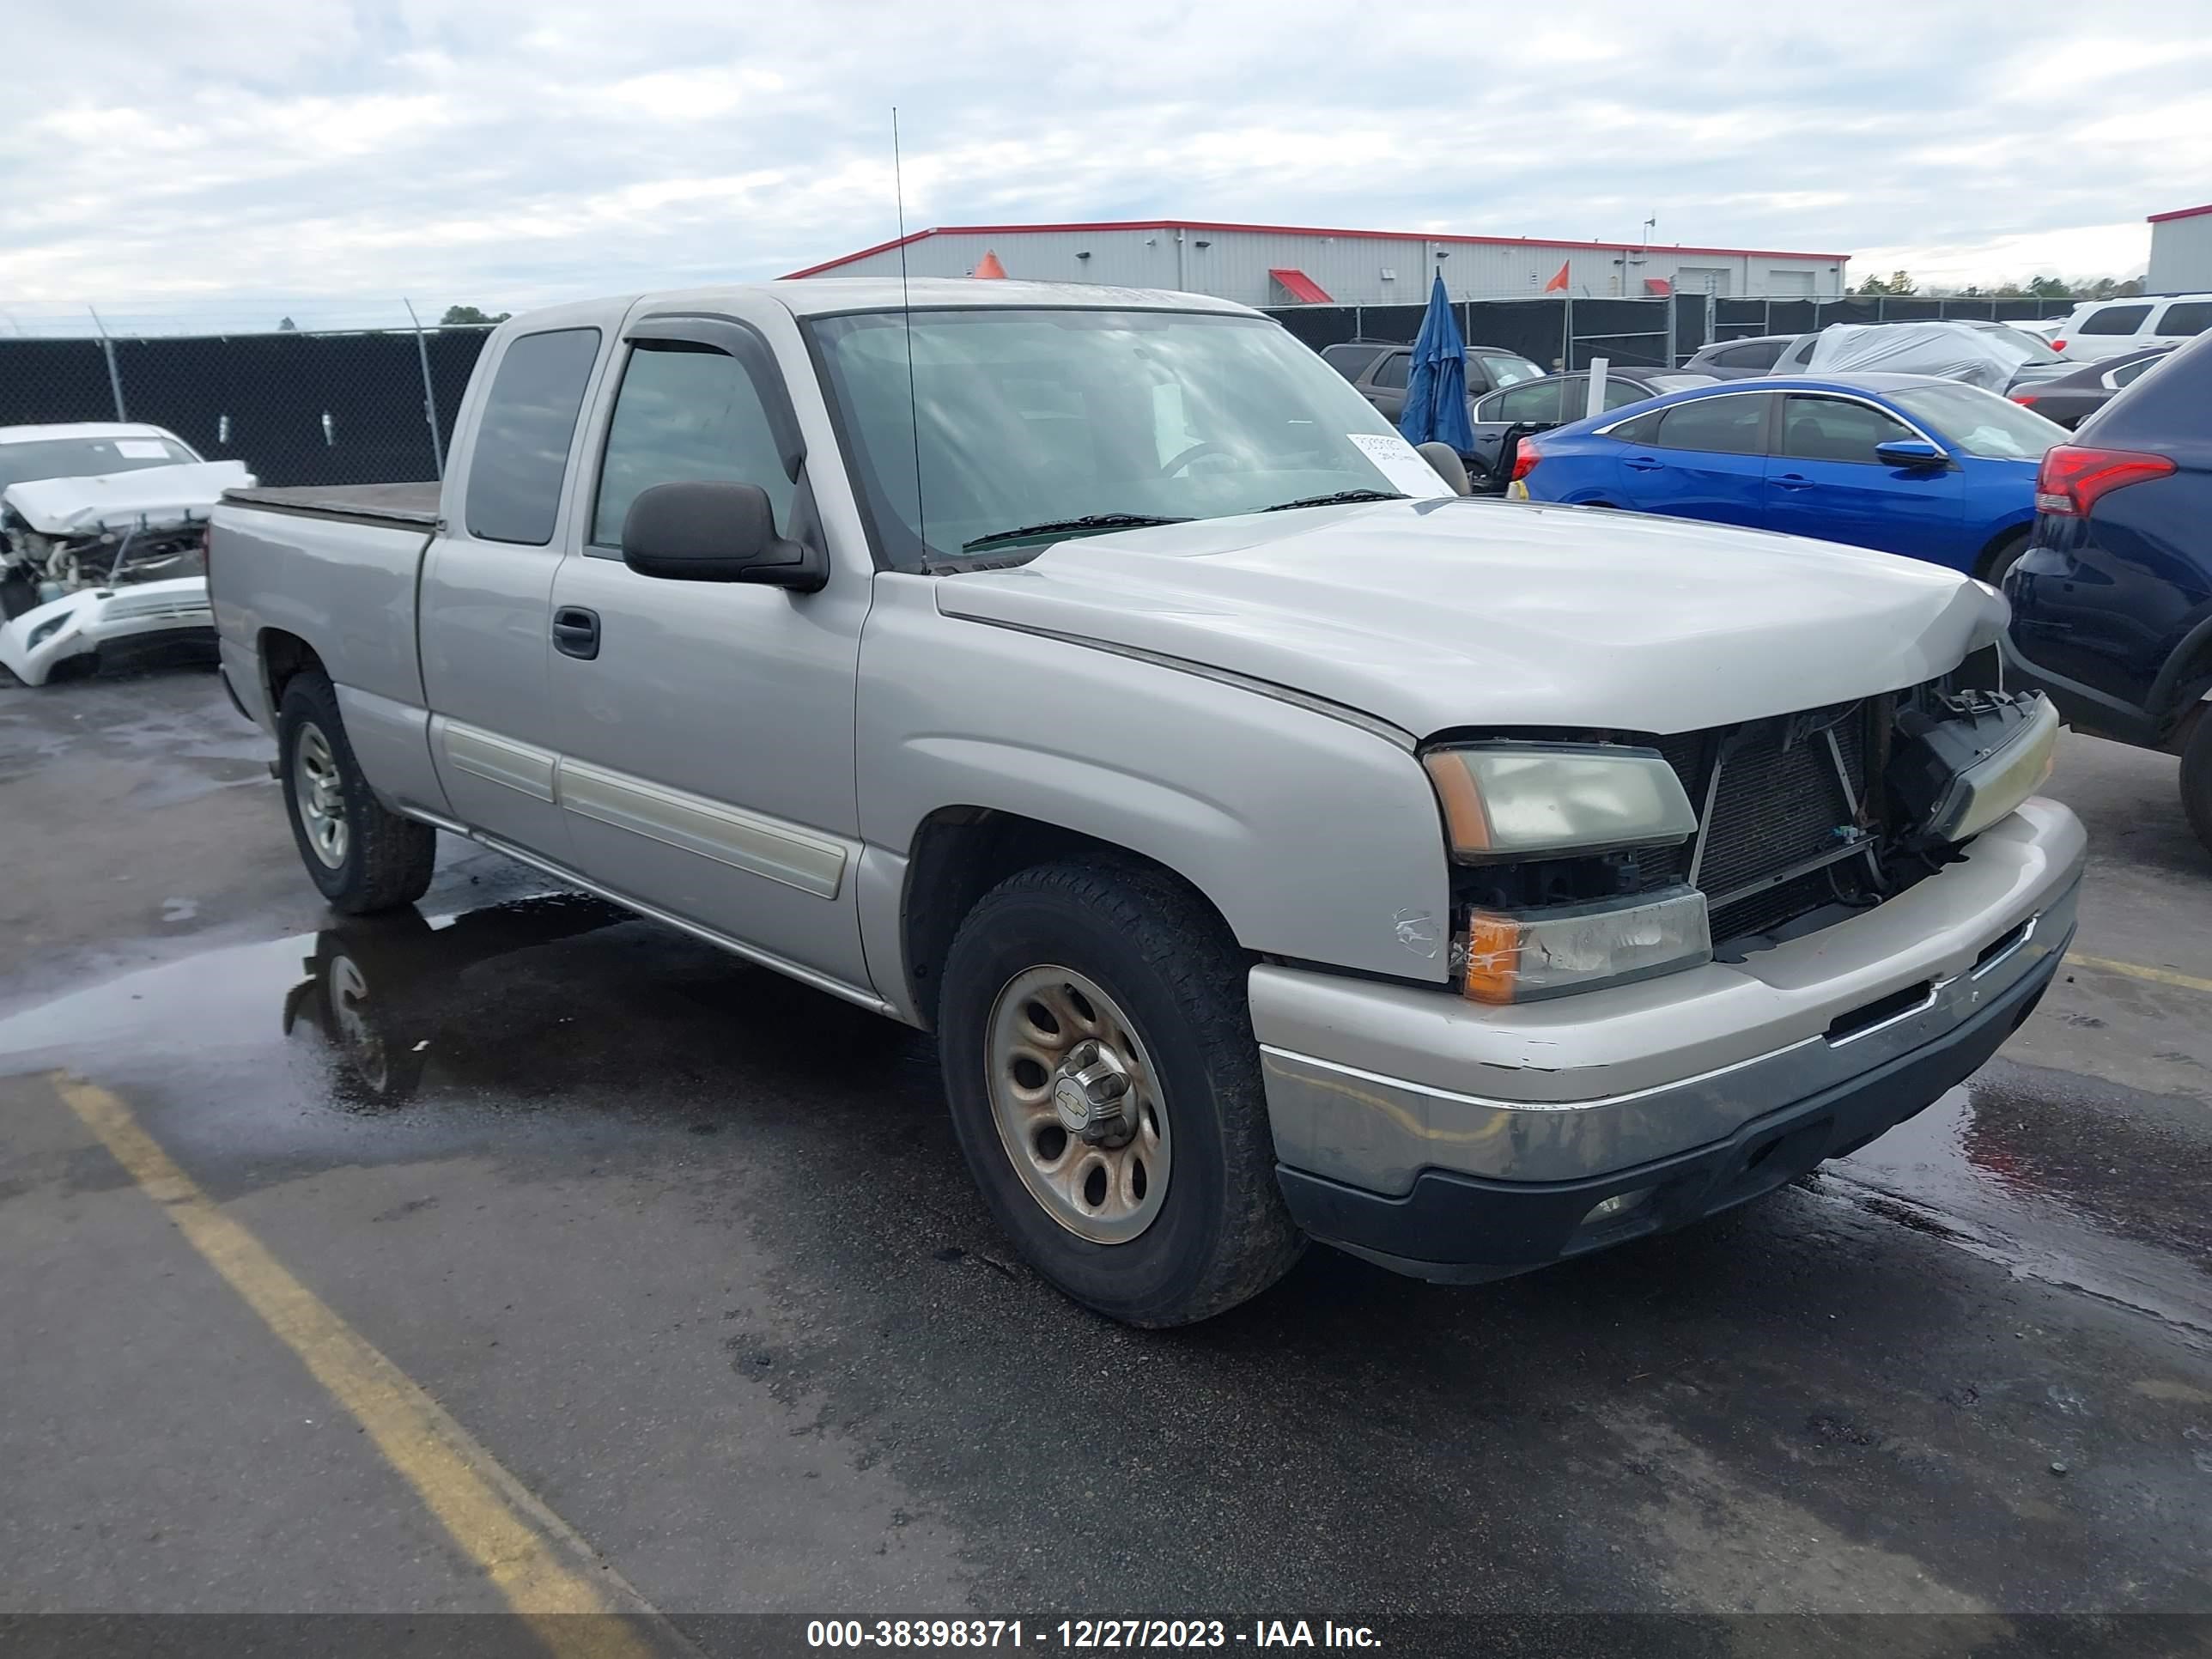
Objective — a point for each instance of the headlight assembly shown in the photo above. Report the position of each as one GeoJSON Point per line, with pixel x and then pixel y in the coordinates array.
{"type": "Point", "coordinates": [1550, 805]}
{"type": "Point", "coordinates": [1521, 800]}
{"type": "Point", "coordinates": [1534, 954]}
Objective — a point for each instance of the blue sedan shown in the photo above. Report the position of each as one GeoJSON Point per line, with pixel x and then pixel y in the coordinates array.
{"type": "Point", "coordinates": [1908, 464]}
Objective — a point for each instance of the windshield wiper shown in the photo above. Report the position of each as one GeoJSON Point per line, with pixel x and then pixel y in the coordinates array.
{"type": "Point", "coordinates": [1060, 526]}
{"type": "Point", "coordinates": [1340, 498]}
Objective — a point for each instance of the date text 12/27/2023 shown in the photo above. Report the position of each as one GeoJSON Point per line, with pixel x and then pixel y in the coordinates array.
{"type": "Point", "coordinates": [1084, 1635]}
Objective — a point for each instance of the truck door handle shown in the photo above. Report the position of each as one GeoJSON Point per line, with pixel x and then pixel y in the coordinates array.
{"type": "Point", "coordinates": [1794, 481]}
{"type": "Point", "coordinates": [576, 632]}
{"type": "Point", "coordinates": [1645, 463]}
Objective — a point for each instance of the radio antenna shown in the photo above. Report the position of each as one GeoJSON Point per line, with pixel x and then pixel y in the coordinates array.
{"type": "Point", "coordinates": [906, 318]}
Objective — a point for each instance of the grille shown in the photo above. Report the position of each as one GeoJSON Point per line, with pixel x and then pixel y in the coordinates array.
{"type": "Point", "coordinates": [1779, 804]}
{"type": "Point", "coordinates": [1780, 801]}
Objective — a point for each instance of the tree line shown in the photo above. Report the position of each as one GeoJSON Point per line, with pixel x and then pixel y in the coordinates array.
{"type": "Point", "coordinates": [1900, 283]}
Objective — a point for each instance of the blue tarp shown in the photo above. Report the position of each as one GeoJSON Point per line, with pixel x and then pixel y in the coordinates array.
{"type": "Point", "coordinates": [1435, 385]}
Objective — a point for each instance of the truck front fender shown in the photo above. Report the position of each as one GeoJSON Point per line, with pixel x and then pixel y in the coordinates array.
{"type": "Point", "coordinates": [1315, 837]}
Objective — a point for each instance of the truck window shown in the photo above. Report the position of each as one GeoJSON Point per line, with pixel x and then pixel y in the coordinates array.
{"type": "Point", "coordinates": [684, 413]}
{"type": "Point", "coordinates": [521, 449]}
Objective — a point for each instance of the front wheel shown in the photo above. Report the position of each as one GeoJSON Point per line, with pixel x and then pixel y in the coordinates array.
{"type": "Point", "coordinates": [1105, 1090]}
{"type": "Point", "coordinates": [362, 856]}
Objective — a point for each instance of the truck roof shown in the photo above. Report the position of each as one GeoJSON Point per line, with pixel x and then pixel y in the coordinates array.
{"type": "Point", "coordinates": [815, 296]}
{"type": "Point", "coordinates": [820, 297]}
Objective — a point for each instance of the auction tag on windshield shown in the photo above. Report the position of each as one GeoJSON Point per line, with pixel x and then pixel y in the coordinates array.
{"type": "Point", "coordinates": [1401, 463]}
{"type": "Point", "coordinates": [141, 449]}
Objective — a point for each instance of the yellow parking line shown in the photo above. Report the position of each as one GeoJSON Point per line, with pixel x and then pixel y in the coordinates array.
{"type": "Point", "coordinates": [2137, 970]}
{"type": "Point", "coordinates": [493, 1520]}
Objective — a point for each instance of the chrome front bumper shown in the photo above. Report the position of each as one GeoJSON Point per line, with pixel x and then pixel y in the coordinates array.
{"type": "Point", "coordinates": [1371, 1084]}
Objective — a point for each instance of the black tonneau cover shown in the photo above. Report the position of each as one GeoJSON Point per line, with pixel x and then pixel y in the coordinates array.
{"type": "Point", "coordinates": [412, 504]}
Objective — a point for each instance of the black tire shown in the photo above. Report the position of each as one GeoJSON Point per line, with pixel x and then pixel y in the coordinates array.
{"type": "Point", "coordinates": [2002, 558]}
{"type": "Point", "coordinates": [386, 860]}
{"type": "Point", "coordinates": [2197, 778]}
{"type": "Point", "coordinates": [1220, 1233]}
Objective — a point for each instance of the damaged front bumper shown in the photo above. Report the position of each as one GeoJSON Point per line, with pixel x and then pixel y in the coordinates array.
{"type": "Point", "coordinates": [105, 623]}
{"type": "Point", "coordinates": [1461, 1141]}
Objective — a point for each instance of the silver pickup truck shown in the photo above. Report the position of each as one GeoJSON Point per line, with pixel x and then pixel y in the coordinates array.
{"type": "Point", "coordinates": [1280, 846]}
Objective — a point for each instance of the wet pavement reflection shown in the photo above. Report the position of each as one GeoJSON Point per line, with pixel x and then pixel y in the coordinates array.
{"type": "Point", "coordinates": [1960, 1172]}
{"type": "Point", "coordinates": [402, 1004]}
{"type": "Point", "coordinates": [653, 1162]}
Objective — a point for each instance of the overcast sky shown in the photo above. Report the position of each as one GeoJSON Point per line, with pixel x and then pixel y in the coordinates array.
{"type": "Point", "coordinates": [215, 158]}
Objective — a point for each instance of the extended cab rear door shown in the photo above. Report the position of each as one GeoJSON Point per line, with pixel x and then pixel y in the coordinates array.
{"type": "Point", "coordinates": [485, 606]}
{"type": "Point", "coordinates": [705, 728]}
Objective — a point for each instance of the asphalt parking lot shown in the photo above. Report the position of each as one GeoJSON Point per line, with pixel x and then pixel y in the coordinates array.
{"type": "Point", "coordinates": [524, 1255]}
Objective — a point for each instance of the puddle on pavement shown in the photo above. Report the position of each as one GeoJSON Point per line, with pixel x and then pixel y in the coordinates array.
{"type": "Point", "coordinates": [1944, 1174]}
{"type": "Point", "coordinates": [381, 1000]}
{"type": "Point", "coordinates": [376, 990]}
{"type": "Point", "coordinates": [508, 1006]}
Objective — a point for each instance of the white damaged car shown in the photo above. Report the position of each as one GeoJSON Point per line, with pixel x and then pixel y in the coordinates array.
{"type": "Point", "coordinates": [102, 531]}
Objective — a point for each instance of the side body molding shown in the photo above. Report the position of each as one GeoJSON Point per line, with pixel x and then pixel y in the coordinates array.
{"type": "Point", "coordinates": [792, 855]}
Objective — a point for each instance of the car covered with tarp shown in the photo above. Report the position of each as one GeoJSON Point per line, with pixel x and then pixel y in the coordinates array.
{"type": "Point", "coordinates": [1996, 359]}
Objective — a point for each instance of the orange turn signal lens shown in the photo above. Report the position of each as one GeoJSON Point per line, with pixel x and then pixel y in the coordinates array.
{"type": "Point", "coordinates": [1493, 958]}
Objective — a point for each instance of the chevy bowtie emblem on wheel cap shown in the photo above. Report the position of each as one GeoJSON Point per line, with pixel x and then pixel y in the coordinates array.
{"type": "Point", "coordinates": [1090, 1092]}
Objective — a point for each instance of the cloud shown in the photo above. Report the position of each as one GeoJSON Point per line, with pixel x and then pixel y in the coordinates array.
{"type": "Point", "coordinates": [327, 156]}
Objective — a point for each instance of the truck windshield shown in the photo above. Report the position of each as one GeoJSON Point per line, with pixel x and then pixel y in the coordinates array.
{"type": "Point", "coordinates": [1048, 417]}
{"type": "Point", "coordinates": [86, 458]}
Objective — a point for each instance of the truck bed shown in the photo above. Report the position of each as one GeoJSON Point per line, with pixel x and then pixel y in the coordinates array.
{"type": "Point", "coordinates": [410, 504]}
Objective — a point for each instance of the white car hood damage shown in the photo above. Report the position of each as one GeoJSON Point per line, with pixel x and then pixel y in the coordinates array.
{"type": "Point", "coordinates": [121, 501]}
{"type": "Point", "coordinates": [1431, 615]}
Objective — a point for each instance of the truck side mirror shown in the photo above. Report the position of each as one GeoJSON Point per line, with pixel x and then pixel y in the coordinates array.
{"type": "Point", "coordinates": [706, 530]}
{"type": "Point", "coordinates": [1448, 467]}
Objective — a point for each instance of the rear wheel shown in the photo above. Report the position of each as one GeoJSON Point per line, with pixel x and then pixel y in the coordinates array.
{"type": "Point", "coordinates": [1105, 1090]}
{"type": "Point", "coordinates": [361, 856]}
{"type": "Point", "coordinates": [2196, 777]}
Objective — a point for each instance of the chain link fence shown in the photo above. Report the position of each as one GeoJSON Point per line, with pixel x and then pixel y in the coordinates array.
{"type": "Point", "coordinates": [1736, 320]}
{"type": "Point", "coordinates": [377, 405]}
{"type": "Point", "coordinates": [1567, 331]}
{"type": "Point", "coordinates": [298, 408]}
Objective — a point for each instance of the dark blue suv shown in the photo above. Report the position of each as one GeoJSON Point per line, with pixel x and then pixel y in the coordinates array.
{"type": "Point", "coordinates": [2113, 601]}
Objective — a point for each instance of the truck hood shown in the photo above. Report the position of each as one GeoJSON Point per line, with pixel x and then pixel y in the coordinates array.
{"type": "Point", "coordinates": [120, 500]}
{"type": "Point", "coordinates": [1457, 612]}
